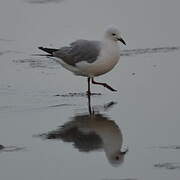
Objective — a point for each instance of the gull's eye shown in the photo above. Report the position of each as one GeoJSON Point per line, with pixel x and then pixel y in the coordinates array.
{"type": "Point", "coordinates": [113, 34]}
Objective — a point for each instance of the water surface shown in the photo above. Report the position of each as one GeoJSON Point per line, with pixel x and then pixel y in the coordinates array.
{"type": "Point", "coordinates": [48, 127]}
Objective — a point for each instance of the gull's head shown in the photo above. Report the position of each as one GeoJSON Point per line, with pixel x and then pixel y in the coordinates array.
{"type": "Point", "coordinates": [113, 33]}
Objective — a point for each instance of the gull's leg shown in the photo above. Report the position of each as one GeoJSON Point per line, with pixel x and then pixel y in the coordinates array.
{"type": "Point", "coordinates": [89, 86]}
{"type": "Point", "coordinates": [89, 104]}
{"type": "Point", "coordinates": [103, 84]}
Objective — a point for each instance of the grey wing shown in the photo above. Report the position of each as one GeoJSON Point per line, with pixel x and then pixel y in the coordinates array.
{"type": "Point", "coordinates": [80, 50]}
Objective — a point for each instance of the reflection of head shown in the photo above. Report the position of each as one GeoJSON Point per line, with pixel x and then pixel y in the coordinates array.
{"type": "Point", "coordinates": [116, 158]}
{"type": "Point", "coordinates": [92, 132]}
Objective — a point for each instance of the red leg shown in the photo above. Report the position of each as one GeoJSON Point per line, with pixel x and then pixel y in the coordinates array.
{"type": "Point", "coordinates": [89, 87]}
{"type": "Point", "coordinates": [103, 84]}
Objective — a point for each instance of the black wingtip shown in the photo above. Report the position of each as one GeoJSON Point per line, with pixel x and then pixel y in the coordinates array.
{"type": "Point", "coordinates": [48, 50]}
{"type": "Point", "coordinates": [40, 47]}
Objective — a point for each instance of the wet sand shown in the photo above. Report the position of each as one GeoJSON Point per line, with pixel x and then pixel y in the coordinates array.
{"type": "Point", "coordinates": [49, 129]}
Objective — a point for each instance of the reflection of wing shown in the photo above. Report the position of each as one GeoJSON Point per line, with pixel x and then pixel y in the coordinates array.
{"type": "Point", "coordinates": [83, 141]}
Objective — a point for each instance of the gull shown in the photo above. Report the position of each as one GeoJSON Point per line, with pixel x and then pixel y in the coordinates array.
{"type": "Point", "coordinates": [90, 58]}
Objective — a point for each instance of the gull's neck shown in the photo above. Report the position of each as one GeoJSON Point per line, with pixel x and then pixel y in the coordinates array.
{"type": "Point", "coordinates": [107, 41]}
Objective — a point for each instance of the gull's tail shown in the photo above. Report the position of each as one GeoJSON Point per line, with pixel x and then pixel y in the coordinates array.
{"type": "Point", "coordinates": [48, 50]}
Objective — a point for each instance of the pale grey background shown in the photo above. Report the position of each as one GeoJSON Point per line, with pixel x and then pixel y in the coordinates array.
{"type": "Point", "coordinates": [148, 102]}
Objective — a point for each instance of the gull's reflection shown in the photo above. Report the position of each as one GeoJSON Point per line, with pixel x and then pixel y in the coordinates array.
{"type": "Point", "coordinates": [92, 131]}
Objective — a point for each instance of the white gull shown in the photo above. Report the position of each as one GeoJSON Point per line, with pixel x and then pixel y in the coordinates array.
{"type": "Point", "coordinates": [90, 58]}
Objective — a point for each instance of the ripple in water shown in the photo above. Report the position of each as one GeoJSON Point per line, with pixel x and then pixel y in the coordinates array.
{"type": "Point", "coordinates": [10, 148]}
{"type": "Point", "coordinates": [77, 94]}
{"type": "Point", "coordinates": [133, 52]}
{"type": "Point", "coordinates": [168, 165]}
{"type": "Point", "coordinates": [43, 1]}
{"type": "Point", "coordinates": [171, 147]}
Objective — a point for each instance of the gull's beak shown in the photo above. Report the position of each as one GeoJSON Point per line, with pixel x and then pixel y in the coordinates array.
{"type": "Point", "coordinates": [121, 39]}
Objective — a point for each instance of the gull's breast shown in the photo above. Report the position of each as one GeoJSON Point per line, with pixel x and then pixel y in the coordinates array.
{"type": "Point", "coordinates": [105, 62]}
{"type": "Point", "coordinates": [107, 59]}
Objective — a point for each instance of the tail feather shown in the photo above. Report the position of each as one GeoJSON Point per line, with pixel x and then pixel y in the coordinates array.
{"type": "Point", "coordinates": [48, 50]}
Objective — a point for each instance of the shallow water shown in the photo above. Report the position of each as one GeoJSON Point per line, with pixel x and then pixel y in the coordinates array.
{"type": "Point", "coordinates": [48, 127]}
